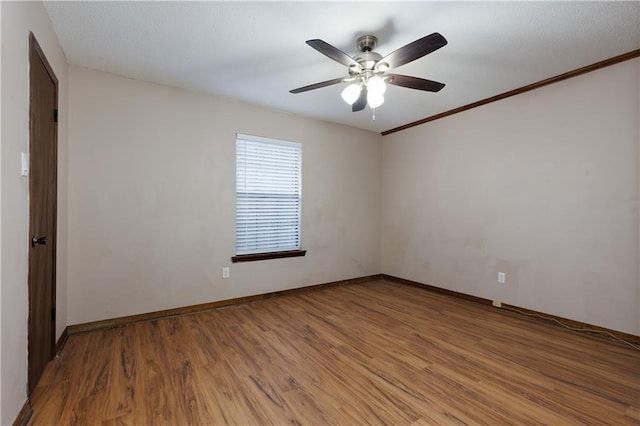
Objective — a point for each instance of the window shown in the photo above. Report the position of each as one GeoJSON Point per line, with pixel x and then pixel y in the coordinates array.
{"type": "Point", "coordinates": [268, 198]}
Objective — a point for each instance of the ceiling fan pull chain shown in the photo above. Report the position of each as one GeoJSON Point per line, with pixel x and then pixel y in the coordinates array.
{"type": "Point", "coordinates": [374, 115]}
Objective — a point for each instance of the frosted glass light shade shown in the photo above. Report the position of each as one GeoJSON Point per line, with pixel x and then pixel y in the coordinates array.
{"type": "Point", "coordinates": [374, 99]}
{"type": "Point", "coordinates": [376, 85]}
{"type": "Point", "coordinates": [351, 93]}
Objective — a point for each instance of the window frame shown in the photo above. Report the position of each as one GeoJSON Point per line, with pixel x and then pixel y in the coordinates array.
{"type": "Point", "coordinates": [246, 257]}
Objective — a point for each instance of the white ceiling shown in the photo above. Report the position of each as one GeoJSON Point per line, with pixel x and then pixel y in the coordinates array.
{"type": "Point", "coordinates": [256, 51]}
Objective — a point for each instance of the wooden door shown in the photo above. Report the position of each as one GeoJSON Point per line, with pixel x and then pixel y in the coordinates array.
{"type": "Point", "coordinates": [43, 147]}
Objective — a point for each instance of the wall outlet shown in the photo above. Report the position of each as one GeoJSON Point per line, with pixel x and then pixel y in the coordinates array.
{"type": "Point", "coordinates": [502, 277]}
{"type": "Point", "coordinates": [225, 272]}
{"type": "Point", "coordinates": [497, 304]}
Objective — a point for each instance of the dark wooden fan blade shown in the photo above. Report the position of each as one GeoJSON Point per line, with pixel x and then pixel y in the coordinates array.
{"type": "Point", "coordinates": [414, 50]}
{"type": "Point", "coordinates": [361, 102]}
{"type": "Point", "coordinates": [414, 82]}
{"type": "Point", "coordinates": [333, 53]}
{"type": "Point", "coordinates": [317, 85]}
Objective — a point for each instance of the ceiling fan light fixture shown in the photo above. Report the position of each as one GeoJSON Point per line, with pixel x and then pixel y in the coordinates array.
{"type": "Point", "coordinates": [376, 85]}
{"type": "Point", "coordinates": [351, 93]}
{"type": "Point", "coordinates": [375, 99]}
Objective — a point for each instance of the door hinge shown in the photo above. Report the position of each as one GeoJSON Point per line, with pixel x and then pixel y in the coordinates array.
{"type": "Point", "coordinates": [55, 115]}
{"type": "Point", "coordinates": [53, 314]}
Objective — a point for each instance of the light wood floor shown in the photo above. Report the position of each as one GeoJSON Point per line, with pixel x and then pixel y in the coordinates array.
{"type": "Point", "coordinates": [377, 352]}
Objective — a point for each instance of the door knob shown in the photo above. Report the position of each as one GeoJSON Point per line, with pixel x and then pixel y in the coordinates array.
{"type": "Point", "coordinates": [38, 240]}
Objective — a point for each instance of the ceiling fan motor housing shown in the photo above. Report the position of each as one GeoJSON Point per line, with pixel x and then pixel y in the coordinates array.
{"type": "Point", "coordinates": [367, 58]}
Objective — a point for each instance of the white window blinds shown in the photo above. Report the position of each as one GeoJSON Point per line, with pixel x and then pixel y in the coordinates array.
{"type": "Point", "coordinates": [268, 195]}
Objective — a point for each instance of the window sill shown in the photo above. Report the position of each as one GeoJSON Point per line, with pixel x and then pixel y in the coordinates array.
{"type": "Point", "coordinates": [266, 256]}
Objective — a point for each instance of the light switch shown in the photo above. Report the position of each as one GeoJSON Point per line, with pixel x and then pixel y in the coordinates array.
{"type": "Point", "coordinates": [24, 164]}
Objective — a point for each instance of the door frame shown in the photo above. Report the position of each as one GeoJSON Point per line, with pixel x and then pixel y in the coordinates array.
{"type": "Point", "coordinates": [35, 52]}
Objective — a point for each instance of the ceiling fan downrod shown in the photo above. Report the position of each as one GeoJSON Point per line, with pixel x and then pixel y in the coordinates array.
{"type": "Point", "coordinates": [367, 43]}
{"type": "Point", "coordinates": [367, 57]}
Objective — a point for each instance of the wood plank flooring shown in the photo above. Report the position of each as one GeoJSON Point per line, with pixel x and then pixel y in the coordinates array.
{"type": "Point", "coordinates": [371, 353]}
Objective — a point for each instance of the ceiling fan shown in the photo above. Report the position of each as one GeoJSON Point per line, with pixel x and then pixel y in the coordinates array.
{"type": "Point", "coordinates": [368, 70]}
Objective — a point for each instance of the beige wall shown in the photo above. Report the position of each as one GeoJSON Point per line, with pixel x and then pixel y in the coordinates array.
{"type": "Point", "coordinates": [542, 186]}
{"type": "Point", "coordinates": [152, 202]}
{"type": "Point", "coordinates": [547, 192]}
{"type": "Point", "coordinates": [18, 18]}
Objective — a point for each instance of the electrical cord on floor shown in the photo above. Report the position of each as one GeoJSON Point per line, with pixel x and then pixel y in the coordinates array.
{"type": "Point", "coordinates": [636, 347]}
